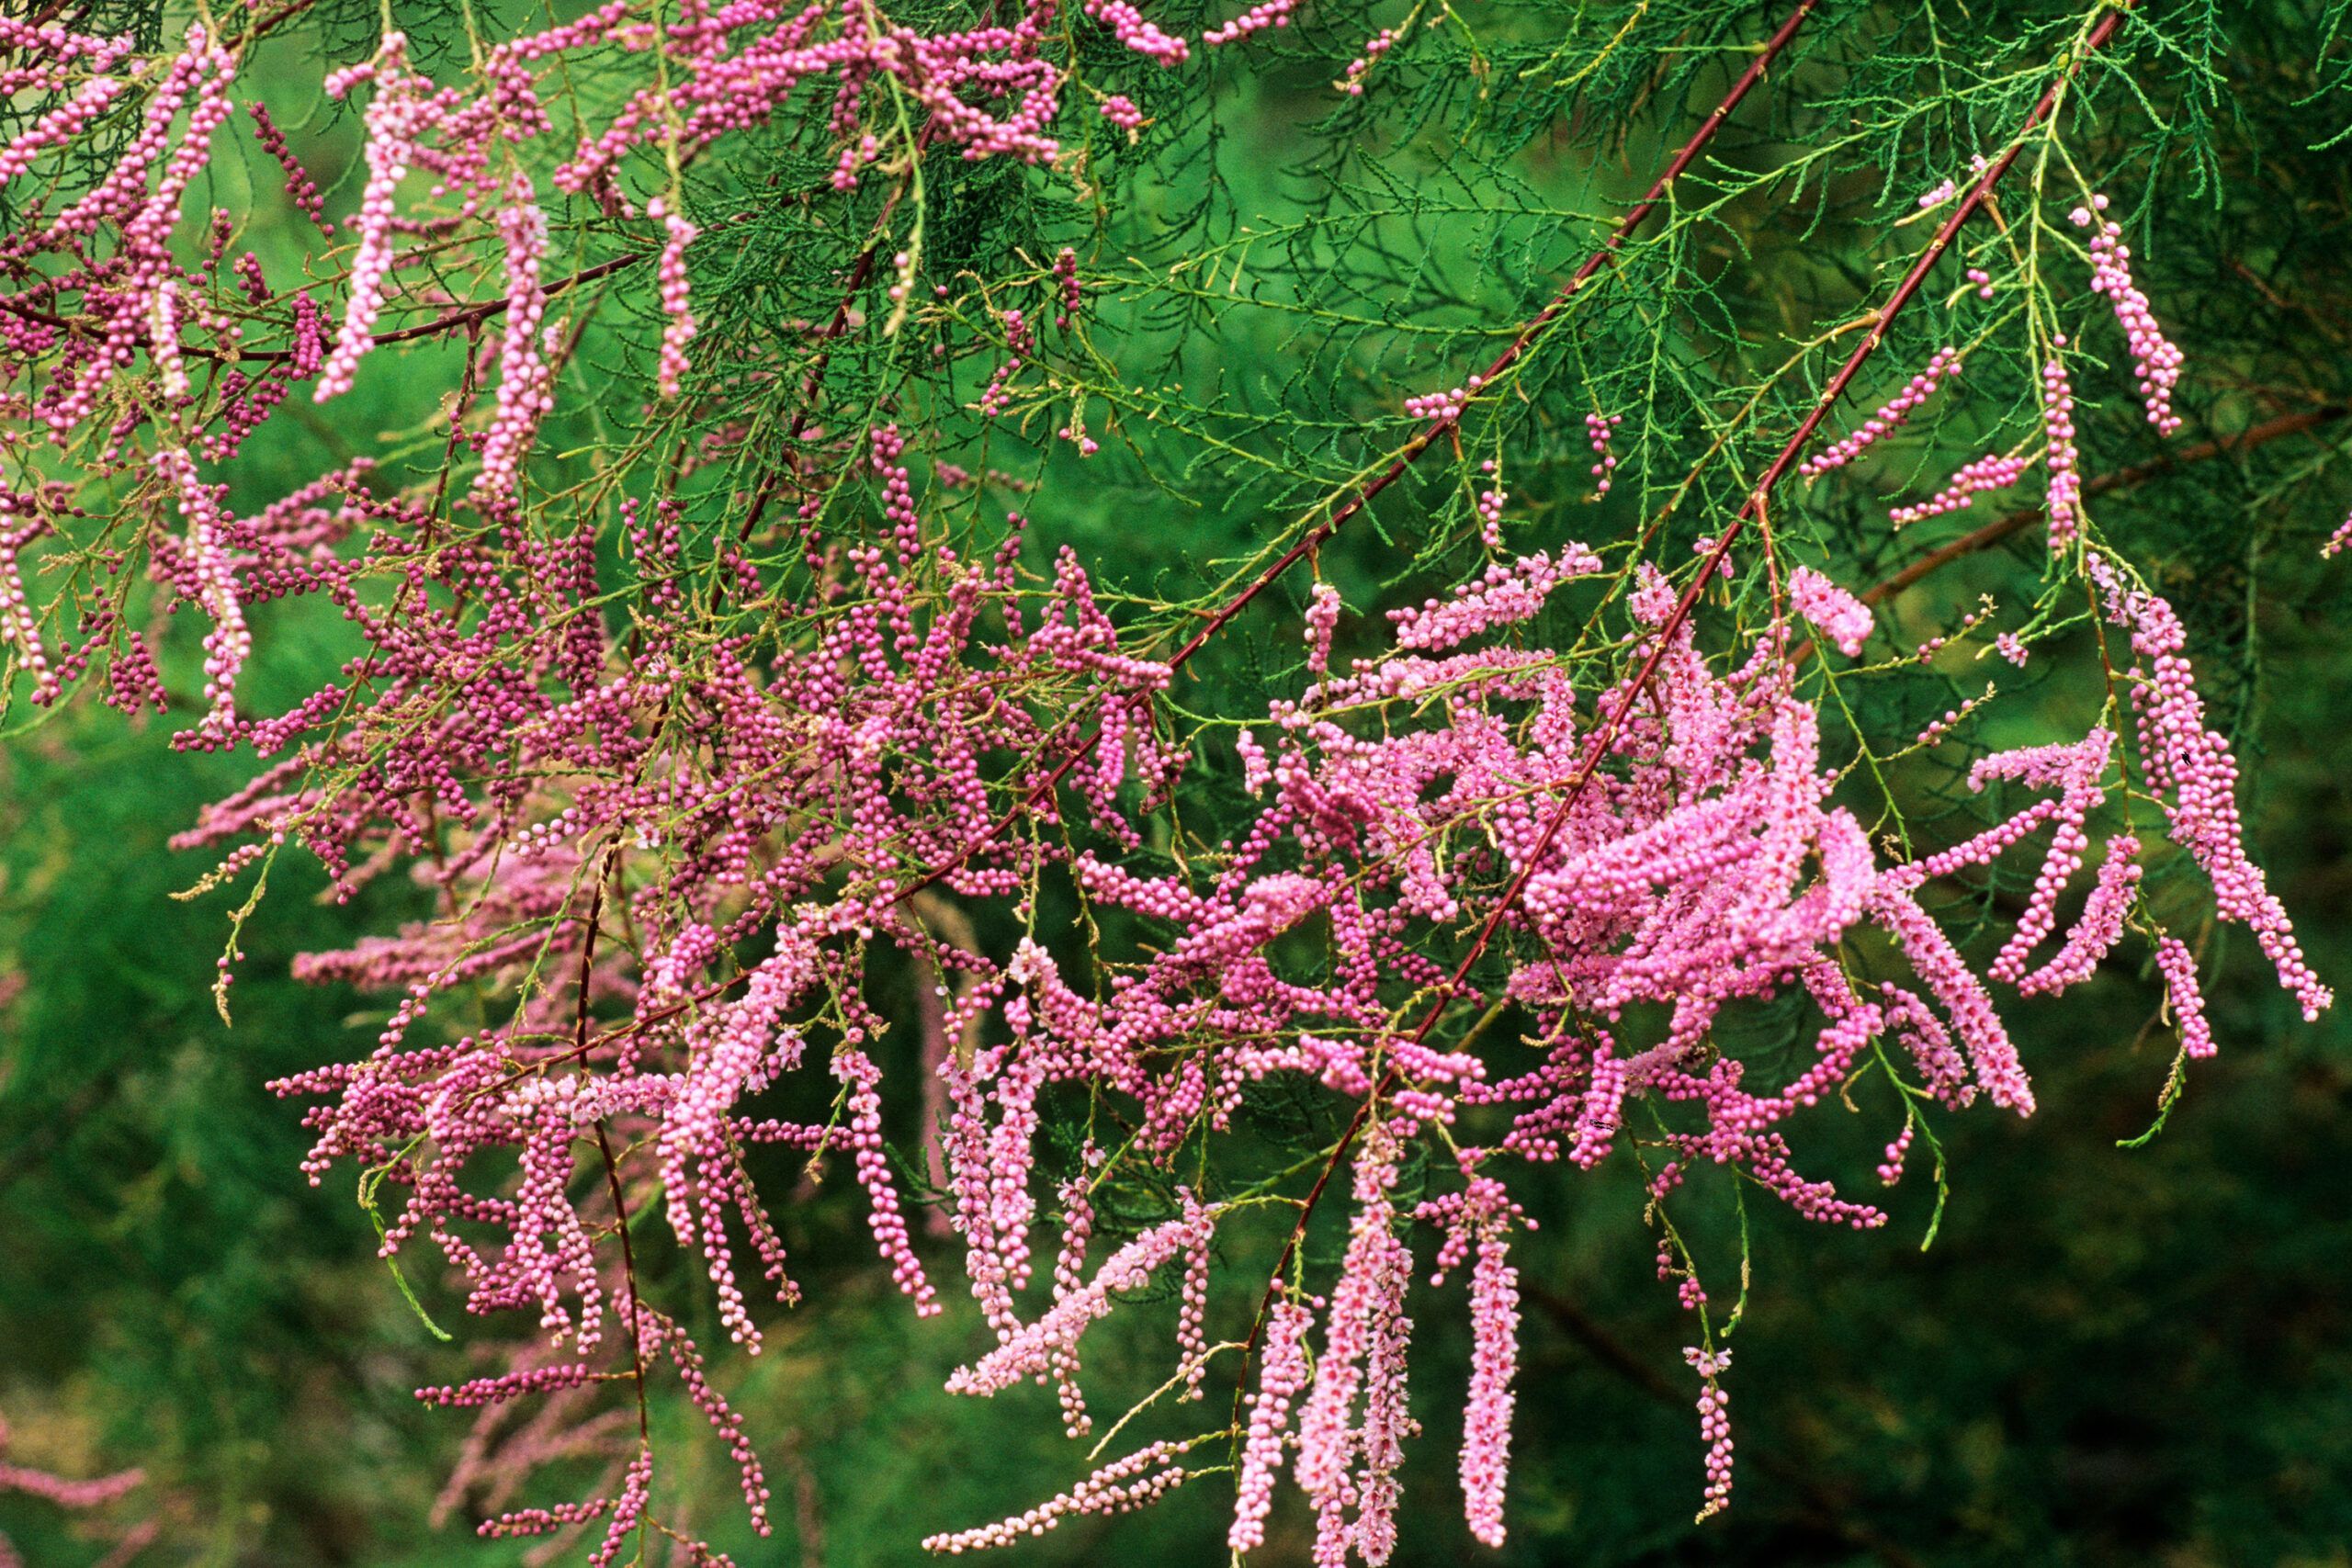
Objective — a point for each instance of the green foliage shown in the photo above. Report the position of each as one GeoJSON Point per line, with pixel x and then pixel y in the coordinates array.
{"type": "Point", "coordinates": [2108, 1356]}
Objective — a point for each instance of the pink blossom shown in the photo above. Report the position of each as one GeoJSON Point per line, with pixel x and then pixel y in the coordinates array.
{"type": "Point", "coordinates": [678, 328]}
{"type": "Point", "coordinates": [1842, 619]}
{"type": "Point", "coordinates": [1942, 366]}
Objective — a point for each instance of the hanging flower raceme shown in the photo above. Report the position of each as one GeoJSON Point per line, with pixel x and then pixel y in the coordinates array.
{"type": "Point", "coordinates": [1710, 871]}
{"type": "Point", "coordinates": [685, 731]}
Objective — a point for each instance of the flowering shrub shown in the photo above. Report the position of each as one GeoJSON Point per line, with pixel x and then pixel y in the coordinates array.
{"type": "Point", "coordinates": [716, 664]}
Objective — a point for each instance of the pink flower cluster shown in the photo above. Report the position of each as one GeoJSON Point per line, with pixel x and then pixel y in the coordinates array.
{"type": "Point", "coordinates": [677, 300]}
{"type": "Point", "coordinates": [1992, 471]}
{"type": "Point", "coordinates": [1378, 44]}
{"type": "Point", "coordinates": [526, 345]}
{"type": "Point", "coordinates": [59, 127]}
{"type": "Point", "coordinates": [402, 110]}
{"type": "Point", "coordinates": [301, 189]}
{"type": "Point", "coordinates": [1503, 595]}
{"type": "Point", "coordinates": [1264, 14]}
{"type": "Point", "coordinates": [1352, 1428]}
{"type": "Point", "coordinates": [1282, 1374]}
{"type": "Point", "coordinates": [2181, 757]}
{"type": "Point", "coordinates": [1480, 1216]}
{"type": "Point", "coordinates": [1715, 1426]}
{"type": "Point", "coordinates": [2156, 359]}
{"type": "Point", "coordinates": [1842, 619]}
{"type": "Point", "coordinates": [1491, 502]}
{"type": "Point", "coordinates": [1119, 1486]}
{"type": "Point", "coordinates": [1942, 366]}
{"type": "Point", "coordinates": [2064, 498]}
{"type": "Point", "coordinates": [1446, 407]}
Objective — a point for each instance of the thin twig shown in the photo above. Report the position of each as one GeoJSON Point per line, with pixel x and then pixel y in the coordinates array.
{"type": "Point", "coordinates": [612, 1166]}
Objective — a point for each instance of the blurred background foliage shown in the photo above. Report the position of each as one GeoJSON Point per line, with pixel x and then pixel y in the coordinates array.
{"type": "Point", "coordinates": [2108, 1356]}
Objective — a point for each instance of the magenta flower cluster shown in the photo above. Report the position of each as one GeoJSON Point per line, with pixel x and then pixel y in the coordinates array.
{"type": "Point", "coordinates": [674, 844]}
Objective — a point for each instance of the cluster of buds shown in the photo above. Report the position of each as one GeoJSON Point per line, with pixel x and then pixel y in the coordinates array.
{"type": "Point", "coordinates": [1491, 502]}
{"type": "Point", "coordinates": [1378, 44]}
{"type": "Point", "coordinates": [1992, 471]}
{"type": "Point", "coordinates": [2156, 359]}
{"type": "Point", "coordinates": [1943, 365]}
{"type": "Point", "coordinates": [2063, 499]}
{"type": "Point", "coordinates": [1446, 407]}
{"type": "Point", "coordinates": [1598, 429]}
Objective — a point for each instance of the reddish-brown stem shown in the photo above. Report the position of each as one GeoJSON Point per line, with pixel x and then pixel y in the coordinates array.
{"type": "Point", "coordinates": [605, 1148]}
{"type": "Point", "coordinates": [1626, 228]}
{"type": "Point", "coordinates": [1752, 508]}
{"type": "Point", "coordinates": [469, 316]}
{"type": "Point", "coordinates": [860, 272]}
{"type": "Point", "coordinates": [1992, 533]}
{"type": "Point", "coordinates": [629, 1280]}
